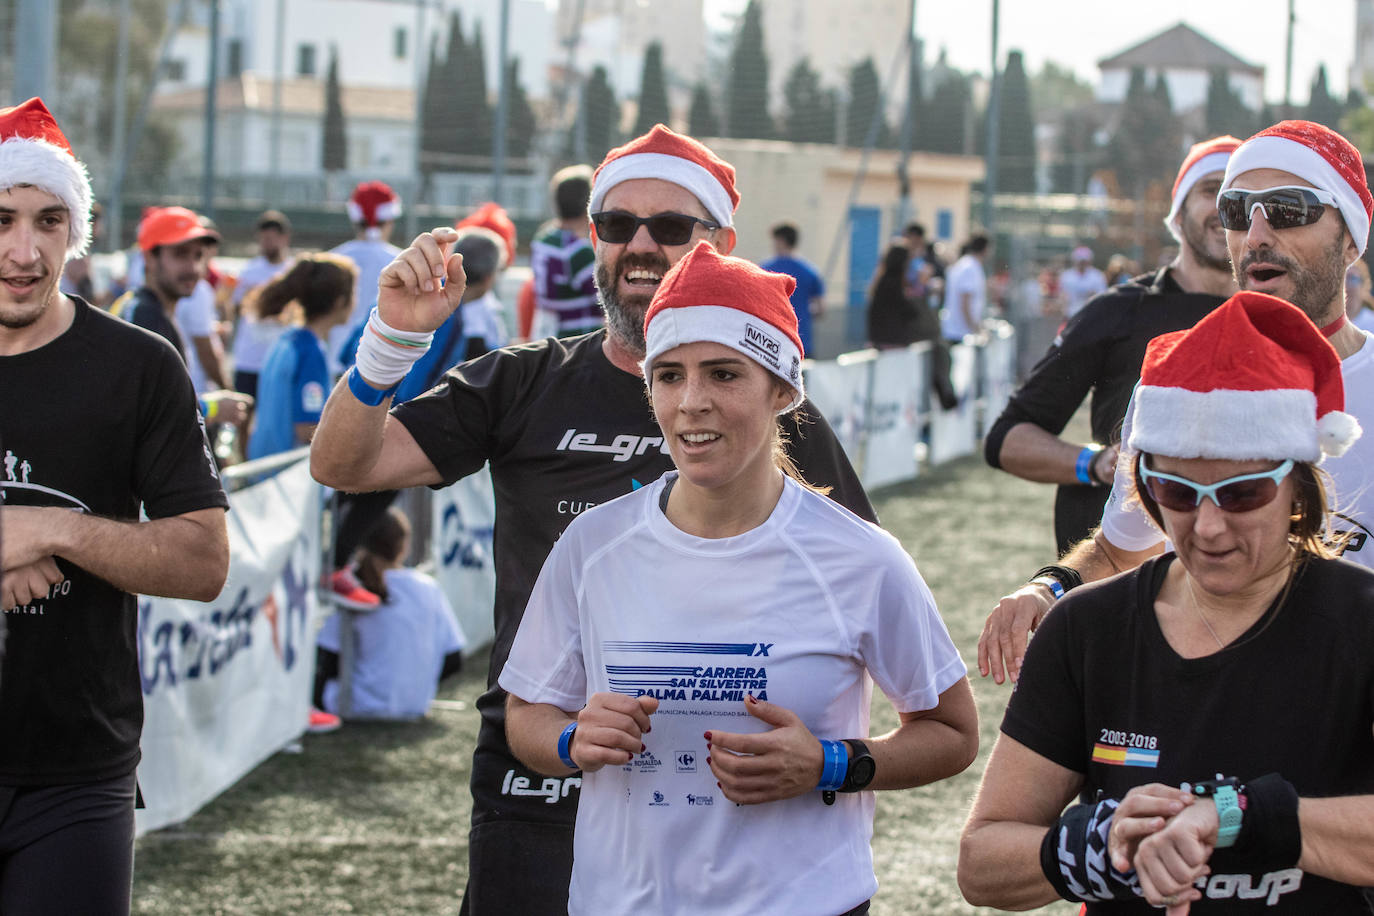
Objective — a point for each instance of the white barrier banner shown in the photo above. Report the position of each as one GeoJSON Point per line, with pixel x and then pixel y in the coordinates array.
{"type": "Point", "coordinates": [464, 564]}
{"type": "Point", "coordinates": [894, 415]}
{"type": "Point", "coordinates": [227, 684]}
{"type": "Point", "coordinates": [840, 391]}
{"type": "Point", "coordinates": [999, 372]}
{"type": "Point", "coordinates": [952, 432]}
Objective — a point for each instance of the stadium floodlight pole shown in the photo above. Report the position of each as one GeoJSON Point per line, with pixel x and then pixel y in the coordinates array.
{"type": "Point", "coordinates": [498, 139]}
{"type": "Point", "coordinates": [207, 178]}
{"type": "Point", "coordinates": [35, 50]}
{"type": "Point", "coordinates": [1288, 63]}
{"type": "Point", "coordinates": [913, 64]}
{"type": "Point", "coordinates": [278, 64]}
{"type": "Point", "coordinates": [994, 115]}
{"type": "Point", "coordinates": [121, 104]}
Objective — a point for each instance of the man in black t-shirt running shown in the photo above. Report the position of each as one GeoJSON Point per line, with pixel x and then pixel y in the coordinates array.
{"type": "Point", "coordinates": [99, 422]}
{"type": "Point", "coordinates": [1100, 351]}
{"type": "Point", "coordinates": [565, 425]}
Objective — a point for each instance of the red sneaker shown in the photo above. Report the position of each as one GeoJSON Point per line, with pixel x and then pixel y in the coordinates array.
{"type": "Point", "coordinates": [347, 591]}
{"type": "Point", "coordinates": [322, 722]}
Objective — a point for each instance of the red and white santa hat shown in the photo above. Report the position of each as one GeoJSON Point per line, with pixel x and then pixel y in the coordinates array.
{"type": "Point", "coordinates": [670, 156]}
{"type": "Point", "coordinates": [34, 151]}
{"type": "Point", "coordinates": [1203, 159]}
{"type": "Point", "coordinates": [373, 203]}
{"type": "Point", "coordinates": [1253, 380]}
{"type": "Point", "coordinates": [1318, 155]}
{"type": "Point", "coordinates": [707, 296]}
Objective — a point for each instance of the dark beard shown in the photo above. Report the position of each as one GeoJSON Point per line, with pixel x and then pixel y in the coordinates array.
{"type": "Point", "coordinates": [1314, 287]}
{"type": "Point", "coordinates": [625, 315]}
{"type": "Point", "coordinates": [1197, 245]}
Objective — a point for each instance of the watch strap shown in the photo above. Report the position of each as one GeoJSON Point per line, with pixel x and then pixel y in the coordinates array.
{"type": "Point", "coordinates": [859, 749]}
{"type": "Point", "coordinates": [1230, 813]}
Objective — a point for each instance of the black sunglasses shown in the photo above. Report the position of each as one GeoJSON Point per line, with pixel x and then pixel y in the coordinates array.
{"type": "Point", "coordinates": [618, 227]}
{"type": "Point", "coordinates": [1284, 208]}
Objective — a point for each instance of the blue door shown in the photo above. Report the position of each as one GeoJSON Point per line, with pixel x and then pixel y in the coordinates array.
{"type": "Point", "coordinates": [864, 229]}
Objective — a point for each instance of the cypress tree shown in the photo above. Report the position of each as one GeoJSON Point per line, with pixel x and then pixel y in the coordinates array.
{"type": "Point", "coordinates": [520, 122]}
{"type": "Point", "coordinates": [334, 151]}
{"type": "Point", "coordinates": [945, 129]}
{"type": "Point", "coordinates": [809, 114]}
{"type": "Point", "coordinates": [472, 115]}
{"type": "Point", "coordinates": [746, 92]}
{"type": "Point", "coordinates": [601, 112]}
{"type": "Point", "coordinates": [433, 106]}
{"type": "Point", "coordinates": [653, 91]}
{"type": "Point", "coordinates": [865, 104]}
{"type": "Point", "coordinates": [701, 116]}
{"type": "Point", "coordinates": [1321, 107]}
{"type": "Point", "coordinates": [1016, 156]}
{"type": "Point", "coordinates": [1225, 113]}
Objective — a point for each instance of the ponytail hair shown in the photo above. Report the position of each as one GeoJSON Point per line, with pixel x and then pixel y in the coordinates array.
{"type": "Point", "coordinates": [316, 282]}
{"type": "Point", "coordinates": [381, 549]}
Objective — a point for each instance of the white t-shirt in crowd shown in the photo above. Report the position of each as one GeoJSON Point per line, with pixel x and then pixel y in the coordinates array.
{"type": "Point", "coordinates": [400, 648]}
{"type": "Point", "coordinates": [1126, 524]}
{"type": "Point", "coordinates": [195, 316]}
{"type": "Point", "coordinates": [1078, 288]}
{"type": "Point", "coordinates": [807, 611]}
{"type": "Point", "coordinates": [371, 256]}
{"type": "Point", "coordinates": [257, 272]}
{"type": "Point", "coordinates": [966, 275]}
{"type": "Point", "coordinates": [485, 317]}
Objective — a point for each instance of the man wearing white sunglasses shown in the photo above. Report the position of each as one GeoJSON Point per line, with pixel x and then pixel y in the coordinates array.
{"type": "Point", "coordinates": [1296, 208]}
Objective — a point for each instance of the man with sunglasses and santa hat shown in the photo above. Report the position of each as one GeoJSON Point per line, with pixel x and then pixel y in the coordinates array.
{"type": "Point", "coordinates": [1296, 208]}
{"type": "Point", "coordinates": [565, 426]}
{"type": "Point", "coordinates": [100, 426]}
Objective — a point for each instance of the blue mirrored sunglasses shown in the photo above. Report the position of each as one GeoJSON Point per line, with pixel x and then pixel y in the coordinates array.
{"type": "Point", "coordinates": [1242, 493]}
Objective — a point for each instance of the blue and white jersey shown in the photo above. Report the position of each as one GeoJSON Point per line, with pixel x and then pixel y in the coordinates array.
{"type": "Point", "coordinates": [292, 389]}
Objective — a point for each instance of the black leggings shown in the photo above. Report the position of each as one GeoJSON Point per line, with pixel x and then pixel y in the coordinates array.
{"type": "Point", "coordinates": [67, 849]}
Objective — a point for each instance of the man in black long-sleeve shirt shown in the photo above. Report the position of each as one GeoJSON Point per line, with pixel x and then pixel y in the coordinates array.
{"type": "Point", "coordinates": [1100, 351]}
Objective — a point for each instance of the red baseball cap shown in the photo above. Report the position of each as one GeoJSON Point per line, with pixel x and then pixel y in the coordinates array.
{"type": "Point", "coordinates": [171, 226]}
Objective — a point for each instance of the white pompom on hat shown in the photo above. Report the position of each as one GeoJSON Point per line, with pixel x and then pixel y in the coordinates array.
{"type": "Point", "coordinates": [34, 151]}
{"type": "Point", "coordinates": [670, 156]}
{"type": "Point", "coordinates": [1254, 380]}
{"type": "Point", "coordinates": [1318, 155]}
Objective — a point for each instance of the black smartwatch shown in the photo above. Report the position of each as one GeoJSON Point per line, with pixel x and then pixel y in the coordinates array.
{"type": "Point", "coordinates": [861, 767]}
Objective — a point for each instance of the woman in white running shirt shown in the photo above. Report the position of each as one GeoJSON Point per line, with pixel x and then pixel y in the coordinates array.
{"type": "Point", "coordinates": [703, 649]}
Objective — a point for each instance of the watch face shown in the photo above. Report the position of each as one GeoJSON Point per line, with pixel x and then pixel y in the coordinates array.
{"type": "Point", "coordinates": [861, 771]}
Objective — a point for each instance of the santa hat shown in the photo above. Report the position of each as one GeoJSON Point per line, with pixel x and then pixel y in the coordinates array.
{"type": "Point", "coordinates": [493, 216]}
{"type": "Point", "coordinates": [1317, 155]}
{"type": "Point", "coordinates": [1203, 159]}
{"type": "Point", "coordinates": [373, 203]}
{"type": "Point", "coordinates": [1253, 380]}
{"type": "Point", "coordinates": [33, 151]}
{"type": "Point", "coordinates": [707, 296]}
{"type": "Point", "coordinates": [670, 156]}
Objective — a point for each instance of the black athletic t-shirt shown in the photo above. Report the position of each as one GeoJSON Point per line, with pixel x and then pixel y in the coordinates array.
{"type": "Point", "coordinates": [101, 420]}
{"type": "Point", "coordinates": [1102, 693]}
{"type": "Point", "coordinates": [146, 311]}
{"type": "Point", "coordinates": [1099, 351]}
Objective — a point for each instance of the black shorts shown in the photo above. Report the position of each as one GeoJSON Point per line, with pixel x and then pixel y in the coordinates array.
{"type": "Point", "coordinates": [67, 849]}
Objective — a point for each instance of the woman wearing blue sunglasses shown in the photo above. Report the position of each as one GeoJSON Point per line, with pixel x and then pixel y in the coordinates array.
{"type": "Point", "coordinates": [1213, 710]}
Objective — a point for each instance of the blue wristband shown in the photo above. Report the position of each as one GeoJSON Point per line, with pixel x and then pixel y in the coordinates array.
{"type": "Point", "coordinates": [834, 767]}
{"type": "Point", "coordinates": [565, 747]}
{"type": "Point", "coordinates": [365, 392]}
{"type": "Point", "coordinates": [1083, 468]}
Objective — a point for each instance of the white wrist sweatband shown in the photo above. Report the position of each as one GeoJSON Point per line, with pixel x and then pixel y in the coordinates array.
{"type": "Point", "coordinates": [386, 354]}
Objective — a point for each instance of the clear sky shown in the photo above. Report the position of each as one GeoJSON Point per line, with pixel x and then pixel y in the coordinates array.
{"type": "Point", "coordinates": [1078, 33]}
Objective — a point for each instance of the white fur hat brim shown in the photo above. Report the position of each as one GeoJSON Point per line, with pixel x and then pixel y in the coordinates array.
{"type": "Point", "coordinates": [50, 168]}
